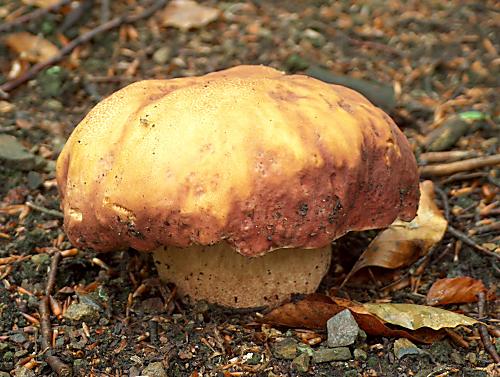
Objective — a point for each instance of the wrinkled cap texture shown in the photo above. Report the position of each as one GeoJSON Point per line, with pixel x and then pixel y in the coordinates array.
{"type": "Point", "coordinates": [248, 155]}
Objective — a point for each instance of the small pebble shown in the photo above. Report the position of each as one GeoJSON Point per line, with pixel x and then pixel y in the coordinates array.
{"type": "Point", "coordinates": [161, 55]}
{"type": "Point", "coordinates": [155, 369]}
{"type": "Point", "coordinates": [359, 354]}
{"type": "Point", "coordinates": [82, 312]}
{"type": "Point", "coordinates": [285, 349]}
{"type": "Point", "coordinates": [324, 355]}
{"type": "Point", "coordinates": [404, 347]}
{"type": "Point", "coordinates": [342, 329]}
{"type": "Point", "coordinates": [301, 362]}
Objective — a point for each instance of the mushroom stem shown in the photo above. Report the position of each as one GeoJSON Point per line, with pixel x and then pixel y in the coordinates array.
{"type": "Point", "coordinates": [220, 275]}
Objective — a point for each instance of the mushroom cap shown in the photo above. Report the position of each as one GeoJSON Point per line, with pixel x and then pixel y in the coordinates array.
{"type": "Point", "coordinates": [248, 155]}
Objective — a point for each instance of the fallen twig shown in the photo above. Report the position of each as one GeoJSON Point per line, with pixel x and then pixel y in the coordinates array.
{"type": "Point", "coordinates": [483, 331]}
{"type": "Point", "coordinates": [51, 281]}
{"type": "Point", "coordinates": [459, 166]}
{"type": "Point", "coordinates": [58, 366]}
{"type": "Point", "coordinates": [32, 15]}
{"type": "Point", "coordinates": [51, 212]}
{"type": "Point", "coordinates": [469, 241]}
{"type": "Point", "coordinates": [444, 201]}
{"type": "Point", "coordinates": [457, 338]}
{"type": "Point", "coordinates": [486, 228]}
{"type": "Point", "coordinates": [66, 50]}
{"type": "Point", "coordinates": [447, 156]}
{"type": "Point", "coordinates": [464, 177]}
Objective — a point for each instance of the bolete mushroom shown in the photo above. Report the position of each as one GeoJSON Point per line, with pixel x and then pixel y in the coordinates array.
{"type": "Point", "coordinates": [237, 181]}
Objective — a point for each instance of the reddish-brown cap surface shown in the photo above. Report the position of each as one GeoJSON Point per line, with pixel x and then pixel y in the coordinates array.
{"type": "Point", "coordinates": [248, 155]}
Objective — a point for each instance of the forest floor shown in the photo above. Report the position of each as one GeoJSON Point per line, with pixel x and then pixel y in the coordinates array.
{"type": "Point", "coordinates": [436, 69]}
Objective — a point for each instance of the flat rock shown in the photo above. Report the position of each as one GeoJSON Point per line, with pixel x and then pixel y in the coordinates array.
{"type": "Point", "coordinates": [404, 347]}
{"type": "Point", "coordinates": [82, 312]}
{"type": "Point", "coordinates": [324, 355]}
{"type": "Point", "coordinates": [285, 349]}
{"type": "Point", "coordinates": [301, 362]}
{"type": "Point", "coordinates": [155, 369]}
{"type": "Point", "coordinates": [342, 329]}
{"type": "Point", "coordinates": [14, 155]}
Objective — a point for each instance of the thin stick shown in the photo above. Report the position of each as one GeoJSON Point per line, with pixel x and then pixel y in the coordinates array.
{"type": "Point", "coordinates": [51, 281]}
{"type": "Point", "coordinates": [46, 328]}
{"type": "Point", "coordinates": [456, 338]}
{"type": "Point", "coordinates": [483, 331]}
{"type": "Point", "coordinates": [62, 369]}
{"type": "Point", "coordinates": [114, 23]}
{"type": "Point", "coordinates": [464, 177]}
{"type": "Point", "coordinates": [51, 212]}
{"type": "Point", "coordinates": [33, 15]}
{"type": "Point", "coordinates": [447, 156]}
{"type": "Point", "coordinates": [444, 201]}
{"type": "Point", "coordinates": [58, 366]}
{"type": "Point", "coordinates": [455, 167]}
{"type": "Point", "coordinates": [468, 241]}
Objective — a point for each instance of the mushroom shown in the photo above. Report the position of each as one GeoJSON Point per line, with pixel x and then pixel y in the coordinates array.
{"type": "Point", "coordinates": [237, 181]}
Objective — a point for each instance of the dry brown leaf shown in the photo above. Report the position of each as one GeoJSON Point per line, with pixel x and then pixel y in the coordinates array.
{"type": "Point", "coordinates": [404, 242]}
{"type": "Point", "coordinates": [40, 3]}
{"type": "Point", "coordinates": [314, 311]}
{"type": "Point", "coordinates": [32, 48]}
{"type": "Point", "coordinates": [414, 317]}
{"type": "Point", "coordinates": [454, 291]}
{"type": "Point", "coordinates": [188, 14]}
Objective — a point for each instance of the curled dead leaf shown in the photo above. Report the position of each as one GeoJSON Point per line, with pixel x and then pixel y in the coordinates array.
{"type": "Point", "coordinates": [32, 48]}
{"type": "Point", "coordinates": [188, 14]}
{"type": "Point", "coordinates": [457, 290]}
{"type": "Point", "coordinates": [314, 311]}
{"type": "Point", "coordinates": [404, 242]}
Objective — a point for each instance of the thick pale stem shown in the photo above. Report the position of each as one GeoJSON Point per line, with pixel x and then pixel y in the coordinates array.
{"type": "Point", "coordinates": [220, 275]}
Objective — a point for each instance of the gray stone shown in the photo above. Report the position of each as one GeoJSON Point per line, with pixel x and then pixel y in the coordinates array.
{"type": "Point", "coordinates": [285, 349]}
{"type": "Point", "coordinates": [82, 312]}
{"type": "Point", "coordinates": [359, 354]}
{"type": "Point", "coordinates": [53, 104]}
{"type": "Point", "coordinates": [316, 38]}
{"type": "Point", "coordinates": [301, 362]}
{"type": "Point", "coordinates": [342, 329]}
{"type": "Point", "coordinates": [18, 338]}
{"type": "Point", "coordinates": [472, 358]}
{"type": "Point", "coordinates": [20, 353]}
{"type": "Point", "coordinates": [155, 369]}
{"type": "Point", "coordinates": [8, 356]}
{"type": "Point", "coordinates": [404, 347]}
{"type": "Point", "coordinates": [40, 259]}
{"type": "Point", "coordinates": [305, 348]}
{"type": "Point", "coordinates": [14, 155]}
{"type": "Point", "coordinates": [162, 55]}
{"type": "Point", "coordinates": [324, 355]}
